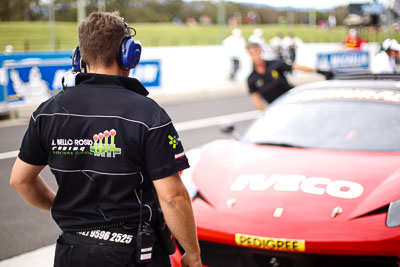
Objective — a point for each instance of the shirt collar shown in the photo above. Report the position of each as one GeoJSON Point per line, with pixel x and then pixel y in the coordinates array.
{"type": "Point", "coordinates": [101, 79]}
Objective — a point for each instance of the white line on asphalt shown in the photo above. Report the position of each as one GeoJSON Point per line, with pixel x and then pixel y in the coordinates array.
{"type": "Point", "coordinates": [184, 126]}
{"type": "Point", "coordinates": [213, 121]}
{"type": "Point", "coordinates": [9, 155]}
{"type": "Point", "coordinates": [42, 257]}
{"type": "Point", "coordinates": [13, 122]}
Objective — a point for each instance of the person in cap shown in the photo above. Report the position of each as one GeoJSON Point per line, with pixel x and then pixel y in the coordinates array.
{"type": "Point", "coordinates": [290, 44]}
{"type": "Point", "coordinates": [353, 41]}
{"type": "Point", "coordinates": [385, 61]}
{"type": "Point", "coordinates": [258, 37]}
{"type": "Point", "coordinates": [276, 45]}
{"type": "Point", "coordinates": [8, 50]}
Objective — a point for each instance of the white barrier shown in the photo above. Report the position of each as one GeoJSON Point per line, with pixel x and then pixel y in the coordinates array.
{"type": "Point", "coordinates": [207, 68]}
{"type": "Point", "coordinates": [195, 71]}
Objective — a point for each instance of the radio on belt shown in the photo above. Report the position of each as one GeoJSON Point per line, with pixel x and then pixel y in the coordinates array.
{"type": "Point", "coordinates": [144, 240]}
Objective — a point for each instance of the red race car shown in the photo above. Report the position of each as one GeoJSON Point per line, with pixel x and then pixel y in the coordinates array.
{"type": "Point", "coordinates": [314, 181]}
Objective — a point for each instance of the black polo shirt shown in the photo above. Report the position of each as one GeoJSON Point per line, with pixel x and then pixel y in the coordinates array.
{"type": "Point", "coordinates": [104, 141]}
{"type": "Point", "coordinates": [273, 83]}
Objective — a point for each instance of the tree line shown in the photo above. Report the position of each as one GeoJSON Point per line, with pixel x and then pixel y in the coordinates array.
{"type": "Point", "coordinates": [160, 11]}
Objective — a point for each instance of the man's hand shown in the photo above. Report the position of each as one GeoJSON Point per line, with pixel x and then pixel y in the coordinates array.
{"type": "Point", "coordinates": [189, 260]}
{"type": "Point", "coordinates": [328, 74]}
{"type": "Point", "coordinates": [177, 208]}
{"type": "Point", "coordinates": [257, 101]}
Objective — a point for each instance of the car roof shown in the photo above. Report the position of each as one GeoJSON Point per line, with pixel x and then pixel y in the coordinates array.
{"type": "Point", "coordinates": [379, 84]}
{"type": "Point", "coordinates": [367, 84]}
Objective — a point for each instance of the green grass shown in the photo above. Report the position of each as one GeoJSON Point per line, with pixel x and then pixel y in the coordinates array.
{"type": "Point", "coordinates": [35, 35]}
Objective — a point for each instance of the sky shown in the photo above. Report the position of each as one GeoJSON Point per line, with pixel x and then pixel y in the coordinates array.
{"type": "Point", "coordinates": [318, 4]}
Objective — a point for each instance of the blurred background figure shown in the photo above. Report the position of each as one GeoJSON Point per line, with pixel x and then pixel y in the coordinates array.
{"type": "Point", "coordinates": [235, 19]}
{"type": "Point", "coordinates": [276, 45]}
{"type": "Point", "coordinates": [205, 20]}
{"type": "Point", "coordinates": [8, 49]}
{"type": "Point", "coordinates": [251, 18]}
{"type": "Point", "coordinates": [258, 38]}
{"type": "Point", "coordinates": [191, 22]}
{"type": "Point", "coordinates": [385, 61]}
{"type": "Point", "coordinates": [331, 22]}
{"type": "Point", "coordinates": [353, 41]}
{"type": "Point", "coordinates": [234, 45]}
{"type": "Point", "coordinates": [289, 46]}
{"type": "Point", "coordinates": [176, 21]}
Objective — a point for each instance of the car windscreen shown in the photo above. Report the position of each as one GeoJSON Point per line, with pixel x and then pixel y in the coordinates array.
{"type": "Point", "coordinates": [349, 124]}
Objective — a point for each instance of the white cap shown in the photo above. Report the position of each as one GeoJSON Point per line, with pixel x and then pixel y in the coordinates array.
{"type": "Point", "coordinates": [391, 44]}
{"type": "Point", "coordinates": [9, 48]}
{"type": "Point", "coordinates": [236, 32]}
{"type": "Point", "coordinates": [258, 32]}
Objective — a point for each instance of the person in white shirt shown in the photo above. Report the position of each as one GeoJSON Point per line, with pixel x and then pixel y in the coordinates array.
{"type": "Point", "coordinates": [258, 38]}
{"type": "Point", "coordinates": [289, 46]}
{"type": "Point", "coordinates": [385, 61]}
{"type": "Point", "coordinates": [276, 45]}
{"type": "Point", "coordinates": [235, 46]}
{"type": "Point", "coordinates": [331, 21]}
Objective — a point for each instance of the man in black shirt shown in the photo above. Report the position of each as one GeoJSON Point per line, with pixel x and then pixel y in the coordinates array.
{"type": "Point", "coordinates": [116, 157]}
{"type": "Point", "coordinates": [267, 81]}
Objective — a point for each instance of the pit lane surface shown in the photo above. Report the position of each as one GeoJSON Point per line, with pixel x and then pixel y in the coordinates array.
{"type": "Point", "coordinates": [24, 228]}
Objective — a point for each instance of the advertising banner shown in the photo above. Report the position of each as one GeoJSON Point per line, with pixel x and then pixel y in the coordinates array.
{"type": "Point", "coordinates": [148, 72]}
{"type": "Point", "coordinates": [33, 77]}
{"type": "Point", "coordinates": [348, 61]}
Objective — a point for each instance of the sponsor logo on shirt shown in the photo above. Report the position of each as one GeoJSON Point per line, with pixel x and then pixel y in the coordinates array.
{"type": "Point", "coordinates": [173, 140]}
{"type": "Point", "coordinates": [69, 146]}
{"type": "Point", "coordinates": [104, 144]}
{"type": "Point", "coordinates": [275, 74]}
{"type": "Point", "coordinates": [180, 155]}
{"type": "Point", "coordinates": [259, 82]}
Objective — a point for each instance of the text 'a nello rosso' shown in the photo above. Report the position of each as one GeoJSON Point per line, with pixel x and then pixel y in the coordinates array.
{"type": "Point", "coordinates": [70, 144]}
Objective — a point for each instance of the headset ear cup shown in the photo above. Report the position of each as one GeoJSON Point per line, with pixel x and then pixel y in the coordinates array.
{"type": "Point", "coordinates": [137, 52]}
{"type": "Point", "coordinates": [76, 60]}
{"type": "Point", "coordinates": [130, 52]}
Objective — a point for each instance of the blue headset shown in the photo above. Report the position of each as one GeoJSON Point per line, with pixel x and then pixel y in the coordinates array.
{"type": "Point", "coordinates": [77, 62]}
{"type": "Point", "coordinates": [128, 53]}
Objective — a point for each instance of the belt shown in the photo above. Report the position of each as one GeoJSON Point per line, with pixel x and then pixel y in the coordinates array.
{"type": "Point", "coordinates": [112, 236]}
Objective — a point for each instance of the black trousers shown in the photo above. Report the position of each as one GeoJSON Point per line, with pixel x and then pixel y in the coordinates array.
{"type": "Point", "coordinates": [75, 251]}
{"type": "Point", "coordinates": [234, 68]}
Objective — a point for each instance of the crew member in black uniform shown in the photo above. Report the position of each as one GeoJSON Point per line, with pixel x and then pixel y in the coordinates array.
{"type": "Point", "coordinates": [116, 157]}
{"type": "Point", "coordinates": [268, 81]}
